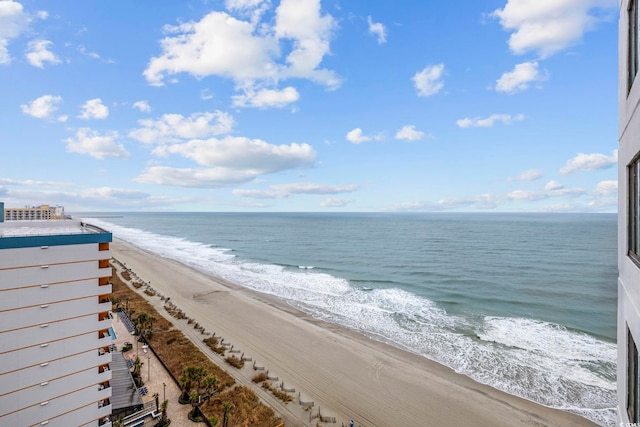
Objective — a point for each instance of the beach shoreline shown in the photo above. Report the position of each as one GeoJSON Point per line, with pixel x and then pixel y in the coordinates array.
{"type": "Point", "coordinates": [349, 374]}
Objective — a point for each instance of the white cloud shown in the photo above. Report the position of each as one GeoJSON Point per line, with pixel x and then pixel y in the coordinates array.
{"type": "Point", "coordinates": [428, 81]}
{"type": "Point", "coordinates": [218, 44]}
{"type": "Point", "coordinates": [43, 107]}
{"type": "Point", "coordinates": [142, 106]}
{"type": "Point", "coordinates": [335, 202]}
{"type": "Point", "coordinates": [93, 55]}
{"type": "Point", "coordinates": [528, 175]}
{"type": "Point", "coordinates": [520, 78]}
{"type": "Point", "coordinates": [176, 127]}
{"type": "Point", "coordinates": [553, 186]}
{"type": "Point", "coordinates": [490, 200]}
{"type": "Point", "coordinates": [357, 137]}
{"type": "Point", "coordinates": [378, 30]}
{"type": "Point", "coordinates": [110, 193]}
{"type": "Point", "coordinates": [409, 133]}
{"type": "Point", "coordinates": [301, 22]}
{"type": "Point", "coordinates": [13, 21]}
{"type": "Point", "coordinates": [606, 188]}
{"type": "Point", "coordinates": [489, 121]}
{"type": "Point", "coordinates": [38, 53]}
{"type": "Point", "coordinates": [244, 4]}
{"type": "Point", "coordinates": [240, 153]}
{"type": "Point", "coordinates": [547, 26]}
{"type": "Point", "coordinates": [280, 191]}
{"type": "Point", "coordinates": [199, 178]}
{"type": "Point", "coordinates": [33, 183]}
{"type": "Point", "coordinates": [266, 98]}
{"type": "Point", "coordinates": [94, 109]}
{"type": "Point", "coordinates": [206, 94]}
{"type": "Point", "coordinates": [94, 144]}
{"type": "Point", "coordinates": [255, 54]}
{"type": "Point", "coordinates": [590, 162]}
{"type": "Point", "coordinates": [84, 51]}
{"type": "Point", "coordinates": [252, 8]}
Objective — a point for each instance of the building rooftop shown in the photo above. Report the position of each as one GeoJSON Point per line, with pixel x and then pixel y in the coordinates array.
{"type": "Point", "coordinates": [32, 233]}
{"type": "Point", "coordinates": [46, 228]}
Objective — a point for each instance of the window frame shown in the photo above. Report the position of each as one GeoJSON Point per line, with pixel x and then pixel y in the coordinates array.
{"type": "Point", "coordinates": [633, 209]}
{"type": "Point", "coordinates": [633, 380]}
{"type": "Point", "coordinates": [633, 45]}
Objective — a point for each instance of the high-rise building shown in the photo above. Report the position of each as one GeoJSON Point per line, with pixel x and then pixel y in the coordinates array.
{"type": "Point", "coordinates": [628, 214]}
{"type": "Point", "coordinates": [55, 324]}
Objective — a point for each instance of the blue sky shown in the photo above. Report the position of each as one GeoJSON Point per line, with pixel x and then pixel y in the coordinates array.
{"type": "Point", "coordinates": [309, 105]}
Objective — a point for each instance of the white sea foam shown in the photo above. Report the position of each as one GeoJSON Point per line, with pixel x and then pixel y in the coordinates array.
{"type": "Point", "coordinates": [539, 361]}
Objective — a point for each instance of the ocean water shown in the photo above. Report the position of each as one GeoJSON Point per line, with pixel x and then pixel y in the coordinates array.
{"type": "Point", "coordinates": [525, 303]}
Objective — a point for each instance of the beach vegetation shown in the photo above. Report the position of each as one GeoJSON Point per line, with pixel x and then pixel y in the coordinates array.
{"type": "Point", "coordinates": [191, 379]}
{"type": "Point", "coordinates": [137, 370]}
{"type": "Point", "coordinates": [261, 377]}
{"type": "Point", "coordinates": [214, 344]}
{"type": "Point", "coordinates": [282, 395]}
{"type": "Point", "coordinates": [164, 420]}
{"type": "Point", "coordinates": [226, 407]}
{"type": "Point", "coordinates": [144, 324]}
{"type": "Point", "coordinates": [248, 410]}
{"type": "Point", "coordinates": [234, 361]}
{"type": "Point", "coordinates": [177, 313]}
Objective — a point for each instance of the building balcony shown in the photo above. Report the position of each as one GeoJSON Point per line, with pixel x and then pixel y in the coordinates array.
{"type": "Point", "coordinates": [105, 394]}
{"type": "Point", "coordinates": [104, 373]}
{"type": "Point", "coordinates": [105, 324]}
{"type": "Point", "coordinates": [104, 408]}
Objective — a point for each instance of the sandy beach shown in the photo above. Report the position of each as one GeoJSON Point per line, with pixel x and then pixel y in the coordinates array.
{"type": "Point", "coordinates": [347, 374]}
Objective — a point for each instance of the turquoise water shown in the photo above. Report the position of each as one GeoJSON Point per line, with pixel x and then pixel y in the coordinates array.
{"type": "Point", "coordinates": [523, 302]}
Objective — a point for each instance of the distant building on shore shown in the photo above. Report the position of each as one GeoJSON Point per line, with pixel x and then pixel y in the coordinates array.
{"type": "Point", "coordinates": [629, 214]}
{"type": "Point", "coordinates": [34, 213]}
{"type": "Point", "coordinates": [55, 323]}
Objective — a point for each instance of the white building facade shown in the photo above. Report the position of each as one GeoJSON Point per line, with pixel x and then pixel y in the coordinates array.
{"type": "Point", "coordinates": [55, 324]}
{"type": "Point", "coordinates": [629, 214]}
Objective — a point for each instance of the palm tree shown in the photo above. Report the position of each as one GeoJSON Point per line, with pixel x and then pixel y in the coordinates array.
{"type": "Point", "coordinates": [195, 400]}
{"type": "Point", "coordinates": [137, 368]}
{"type": "Point", "coordinates": [164, 421]}
{"type": "Point", "coordinates": [226, 407]}
{"type": "Point", "coordinates": [156, 397]}
{"type": "Point", "coordinates": [144, 324]}
{"type": "Point", "coordinates": [192, 376]}
{"type": "Point", "coordinates": [213, 421]}
{"type": "Point", "coordinates": [209, 385]}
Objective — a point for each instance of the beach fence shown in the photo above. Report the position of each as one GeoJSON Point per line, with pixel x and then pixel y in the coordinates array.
{"type": "Point", "coordinates": [304, 404]}
{"type": "Point", "coordinates": [321, 418]}
{"type": "Point", "coordinates": [285, 389]}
